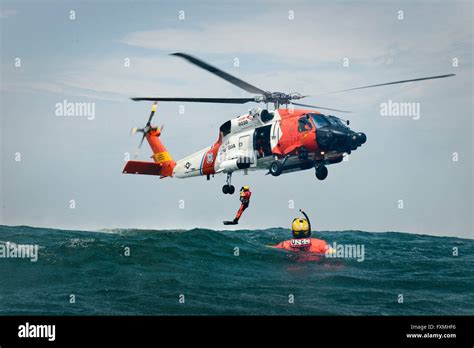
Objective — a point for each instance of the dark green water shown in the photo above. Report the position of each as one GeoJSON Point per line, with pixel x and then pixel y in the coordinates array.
{"type": "Point", "coordinates": [201, 265]}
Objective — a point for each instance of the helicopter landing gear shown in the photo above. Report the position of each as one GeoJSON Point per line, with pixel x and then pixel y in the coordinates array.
{"type": "Point", "coordinates": [277, 166]}
{"type": "Point", "coordinates": [228, 188]}
{"type": "Point", "coordinates": [321, 172]}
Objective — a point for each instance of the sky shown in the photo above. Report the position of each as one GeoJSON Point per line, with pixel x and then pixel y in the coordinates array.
{"type": "Point", "coordinates": [66, 172]}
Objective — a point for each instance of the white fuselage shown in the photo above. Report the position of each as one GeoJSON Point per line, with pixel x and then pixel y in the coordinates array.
{"type": "Point", "coordinates": [244, 142]}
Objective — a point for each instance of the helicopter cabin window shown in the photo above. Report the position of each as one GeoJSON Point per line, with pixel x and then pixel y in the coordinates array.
{"type": "Point", "coordinates": [304, 124]}
{"type": "Point", "coordinates": [319, 120]}
{"type": "Point", "coordinates": [225, 128]}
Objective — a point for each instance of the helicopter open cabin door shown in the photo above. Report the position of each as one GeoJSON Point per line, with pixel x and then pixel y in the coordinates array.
{"type": "Point", "coordinates": [262, 146]}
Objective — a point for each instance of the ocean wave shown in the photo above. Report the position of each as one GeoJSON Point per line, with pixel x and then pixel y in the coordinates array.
{"type": "Point", "coordinates": [144, 271]}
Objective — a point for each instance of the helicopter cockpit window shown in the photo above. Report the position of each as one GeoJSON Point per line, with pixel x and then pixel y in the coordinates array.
{"type": "Point", "coordinates": [336, 122]}
{"type": "Point", "coordinates": [304, 124]}
{"type": "Point", "coordinates": [319, 120]}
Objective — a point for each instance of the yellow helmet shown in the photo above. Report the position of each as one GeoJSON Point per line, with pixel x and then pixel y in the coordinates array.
{"type": "Point", "coordinates": [300, 228]}
{"type": "Point", "coordinates": [246, 188]}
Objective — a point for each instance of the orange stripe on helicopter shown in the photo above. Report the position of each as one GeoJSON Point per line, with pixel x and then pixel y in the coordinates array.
{"type": "Point", "coordinates": [160, 155]}
{"type": "Point", "coordinates": [210, 158]}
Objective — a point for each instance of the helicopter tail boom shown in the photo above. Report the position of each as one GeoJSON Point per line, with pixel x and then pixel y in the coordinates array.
{"type": "Point", "coordinates": [163, 164]}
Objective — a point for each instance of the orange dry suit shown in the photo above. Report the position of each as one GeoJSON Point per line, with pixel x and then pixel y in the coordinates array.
{"type": "Point", "coordinates": [312, 245]}
{"type": "Point", "coordinates": [245, 199]}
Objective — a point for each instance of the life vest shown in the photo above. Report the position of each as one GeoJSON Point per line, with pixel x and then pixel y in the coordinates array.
{"type": "Point", "coordinates": [245, 196]}
{"type": "Point", "coordinates": [312, 245]}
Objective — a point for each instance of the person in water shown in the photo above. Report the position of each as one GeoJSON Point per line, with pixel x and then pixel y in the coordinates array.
{"type": "Point", "coordinates": [245, 200]}
{"type": "Point", "coordinates": [302, 241]}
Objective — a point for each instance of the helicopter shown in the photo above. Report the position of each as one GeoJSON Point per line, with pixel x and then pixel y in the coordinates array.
{"type": "Point", "coordinates": [282, 140]}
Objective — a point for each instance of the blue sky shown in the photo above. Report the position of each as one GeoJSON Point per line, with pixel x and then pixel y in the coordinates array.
{"type": "Point", "coordinates": [82, 60]}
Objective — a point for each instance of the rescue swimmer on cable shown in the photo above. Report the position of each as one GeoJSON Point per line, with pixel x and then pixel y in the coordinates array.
{"type": "Point", "coordinates": [244, 197]}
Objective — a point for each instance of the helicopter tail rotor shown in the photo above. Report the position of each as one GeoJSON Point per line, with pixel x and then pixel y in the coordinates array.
{"type": "Point", "coordinates": [145, 130]}
{"type": "Point", "coordinates": [163, 162]}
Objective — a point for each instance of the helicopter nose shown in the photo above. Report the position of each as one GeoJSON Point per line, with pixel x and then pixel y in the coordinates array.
{"type": "Point", "coordinates": [337, 139]}
{"type": "Point", "coordinates": [357, 139]}
{"type": "Point", "coordinates": [361, 138]}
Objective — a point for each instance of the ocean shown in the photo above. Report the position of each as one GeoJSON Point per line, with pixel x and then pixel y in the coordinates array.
{"type": "Point", "coordinates": [207, 272]}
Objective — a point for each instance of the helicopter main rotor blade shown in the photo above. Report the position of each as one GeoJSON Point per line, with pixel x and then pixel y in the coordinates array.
{"type": "Point", "coordinates": [393, 83]}
{"type": "Point", "coordinates": [232, 79]}
{"type": "Point", "coordinates": [319, 107]}
{"type": "Point", "coordinates": [199, 100]}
